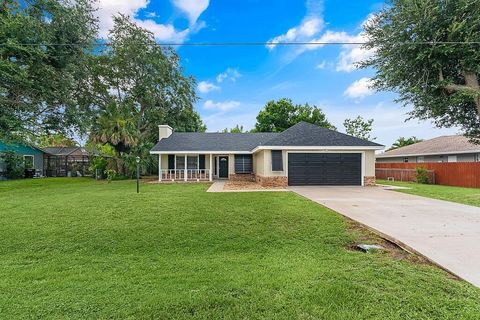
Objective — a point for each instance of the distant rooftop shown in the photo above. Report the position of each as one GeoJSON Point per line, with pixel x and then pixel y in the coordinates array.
{"type": "Point", "coordinates": [439, 145]}
{"type": "Point", "coordinates": [65, 151]}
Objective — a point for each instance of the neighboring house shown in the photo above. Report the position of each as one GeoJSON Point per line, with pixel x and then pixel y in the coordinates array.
{"type": "Point", "coordinates": [66, 161]}
{"type": "Point", "coordinates": [32, 156]}
{"type": "Point", "coordinates": [442, 149]}
{"type": "Point", "coordinates": [304, 154]}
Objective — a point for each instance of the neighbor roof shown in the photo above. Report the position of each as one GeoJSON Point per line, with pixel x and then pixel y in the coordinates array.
{"type": "Point", "coordinates": [64, 151]}
{"type": "Point", "coordinates": [301, 134]}
{"type": "Point", "coordinates": [439, 145]}
{"type": "Point", "coordinates": [19, 148]}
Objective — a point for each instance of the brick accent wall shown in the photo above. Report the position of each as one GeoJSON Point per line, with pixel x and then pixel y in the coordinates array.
{"type": "Point", "coordinates": [369, 181]}
{"type": "Point", "coordinates": [272, 181]}
{"type": "Point", "coordinates": [242, 177]}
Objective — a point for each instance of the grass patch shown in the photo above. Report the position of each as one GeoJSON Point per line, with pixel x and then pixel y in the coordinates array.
{"type": "Point", "coordinates": [77, 248]}
{"type": "Point", "coordinates": [469, 196]}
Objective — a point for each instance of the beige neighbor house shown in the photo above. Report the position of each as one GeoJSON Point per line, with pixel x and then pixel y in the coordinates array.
{"type": "Point", "coordinates": [455, 148]}
{"type": "Point", "coordinates": [304, 154]}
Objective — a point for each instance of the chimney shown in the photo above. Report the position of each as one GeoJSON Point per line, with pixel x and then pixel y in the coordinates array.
{"type": "Point", "coordinates": [164, 131]}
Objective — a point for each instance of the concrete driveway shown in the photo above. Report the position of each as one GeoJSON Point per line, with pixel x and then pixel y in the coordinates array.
{"type": "Point", "coordinates": [445, 232]}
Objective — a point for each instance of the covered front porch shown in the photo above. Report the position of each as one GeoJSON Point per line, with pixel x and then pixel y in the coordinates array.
{"type": "Point", "coordinates": [193, 167]}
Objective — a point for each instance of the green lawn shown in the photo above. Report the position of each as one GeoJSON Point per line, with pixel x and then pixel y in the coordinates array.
{"type": "Point", "coordinates": [470, 196]}
{"type": "Point", "coordinates": [76, 248]}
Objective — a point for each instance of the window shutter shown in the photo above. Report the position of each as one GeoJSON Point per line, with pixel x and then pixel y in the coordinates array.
{"type": "Point", "coordinates": [201, 160]}
{"type": "Point", "coordinates": [277, 160]}
{"type": "Point", "coordinates": [243, 163]}
{"type": "Point", "coordinates": [171, 161]}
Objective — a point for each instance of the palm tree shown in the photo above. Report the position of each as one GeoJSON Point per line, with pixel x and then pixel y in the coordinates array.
{"type": "Point", "coordinates": [115, 125]}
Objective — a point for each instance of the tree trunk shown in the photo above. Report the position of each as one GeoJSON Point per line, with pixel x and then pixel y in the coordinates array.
{"type": "Point", "coordinates": [471, 85]}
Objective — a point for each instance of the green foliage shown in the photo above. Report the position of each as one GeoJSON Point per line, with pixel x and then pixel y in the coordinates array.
{"type": "Point", "coordinates": [135, 85]}
{"type": "Point", "coordinates": [39, 84]}
{"type": "Point", "coordinates": [98, 166]}
{"type": "Point", "coordinates": [280, 115]}
{"type": "Point", "coordinates": [14, 164]}
{"type": "Point", "coordinates": [439, 79]}
{"type": "Point", "coordinates": [176, 252]}
{"type": "Point", "coordinates": [421, 175]}
{"type": "Point", "coordinates": [359, 127]}
{"type": "Point", "coordinates": [111, 175]}
{"type": "Point", "coordinates": [403, 142]}
{"type": "Point", "coordinates": [54, 140]}
{"type": "Point", "coordinates": [469, 196]}
{"type": "Point", "coordinates": [236, 129]}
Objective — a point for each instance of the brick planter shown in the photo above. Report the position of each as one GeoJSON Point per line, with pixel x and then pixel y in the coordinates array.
{"type": "Point", "coordinates": [369, 181]}
{"type": "Point", "coordinates": [272, 182]}
{"type": "Point", "coordinates": [242, 177]}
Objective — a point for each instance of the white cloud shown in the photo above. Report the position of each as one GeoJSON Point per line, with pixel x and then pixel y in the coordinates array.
{"type": "Point", "coordinates": [309, 27]}
{"type": "Point", "coordinates": [359, 89]}
{"type": "Point", "coordinates": [192, 8]}
{"type": "Point", "coordinates": [205, 87]}
{"type": "Point", "coordinates": [231, 74]}
{"type": "Point", "coordinates": [311, 24]}
{"type": "Point", "coordinates": [322, 65]}
{"type": "Point", "coordinates": [221, 106]}
{"type": "Point", "coordinates": [309, 31]}
{"type": "Point", "coordinates": [163, 32]}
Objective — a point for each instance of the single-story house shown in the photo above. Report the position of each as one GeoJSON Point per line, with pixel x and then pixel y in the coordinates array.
{"type": "Point", "coordinates": [456, 148]}
{"type": "Point", "coordinates": [32, 156]}
{"type": "Point", "coordinates": [66, 161]}
{"type": "Point", "coordinates": [304, 154]}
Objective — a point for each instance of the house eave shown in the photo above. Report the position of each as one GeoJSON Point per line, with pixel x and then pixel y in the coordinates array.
{"type": "Point", "coordinates": [324, 148]}
{"type": "Point", "coordinates": [384, 156]}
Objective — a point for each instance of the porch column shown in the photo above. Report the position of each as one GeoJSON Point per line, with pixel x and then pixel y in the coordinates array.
{"type": "Point", "coordinates": [185, 170]}
{"type": "Point", "coordinates": [210, 177]}
{"type": "Point", "coordinates": [159, 167]}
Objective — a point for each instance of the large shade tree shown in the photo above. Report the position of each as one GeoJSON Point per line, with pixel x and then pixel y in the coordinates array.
{"type": "Point", "coordinates": [278, 116]}
{"type": "Point", "coordinates": [133, 86]}
{"type": "Point", "coordinates": [44, 47]}
{"type": "Point", "coordinates": [428, 51]}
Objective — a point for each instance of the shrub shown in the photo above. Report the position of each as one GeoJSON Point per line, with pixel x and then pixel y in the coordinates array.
{"type": "Point", "coordinates": [111, 174]}
{"type": "Point", "coordinates": [421, 175]}
{"type": "Point", "coordinates": [98, 165]}
{"type": "Point", "coordinates": [14, 165]}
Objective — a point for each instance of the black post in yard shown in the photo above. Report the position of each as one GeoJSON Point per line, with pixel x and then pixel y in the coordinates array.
{"type": "Point", "coordinates": [138, 174]}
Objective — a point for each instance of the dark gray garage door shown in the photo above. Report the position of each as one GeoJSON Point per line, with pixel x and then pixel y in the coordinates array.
{"type": "Point", "coordinates": [324, 169]}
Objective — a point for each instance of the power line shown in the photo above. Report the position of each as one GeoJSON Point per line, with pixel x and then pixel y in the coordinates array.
{"type": "Point", "coordinates": [240, 44]}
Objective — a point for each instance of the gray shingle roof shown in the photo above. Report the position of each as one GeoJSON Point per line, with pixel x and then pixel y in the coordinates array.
{"type": "Point", "coordinates": [301, 134]}
{"type": "Point", "coordinates": [443, 144]}
{"type": "Point", "coordinates": [307, 134]}
{"type": "Point", "coordinates": [65, 151]}
{"type": "Point", "coordinates": [196, 141]}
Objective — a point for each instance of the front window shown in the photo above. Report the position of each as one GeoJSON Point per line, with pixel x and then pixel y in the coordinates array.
{"type": "Point", "coordinates": [192, 162]}
{"type": "Point", "coordinates": [28, 161]}
{"type": "Point", "coordinates": [180, 162]}
{"type": "Point", "coordinates": [243, 163]}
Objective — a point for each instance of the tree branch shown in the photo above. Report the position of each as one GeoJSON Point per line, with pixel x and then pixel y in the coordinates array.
{"type": "Point", "coordinates": [471, 86]}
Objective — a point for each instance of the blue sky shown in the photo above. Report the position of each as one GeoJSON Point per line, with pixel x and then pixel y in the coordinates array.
{"type": "Point", "coordinates": [234, 83]}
